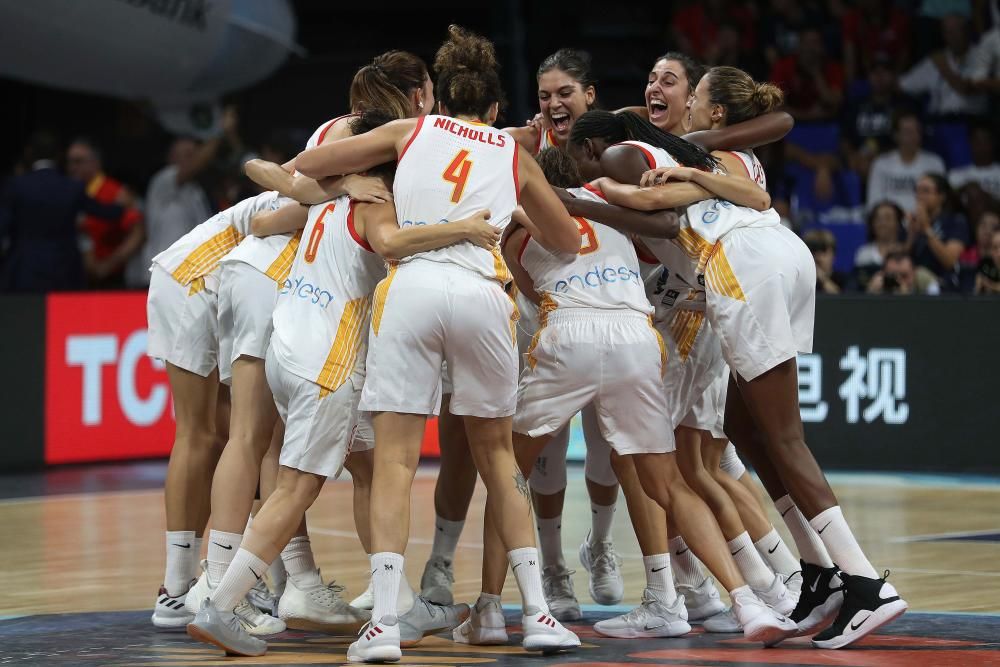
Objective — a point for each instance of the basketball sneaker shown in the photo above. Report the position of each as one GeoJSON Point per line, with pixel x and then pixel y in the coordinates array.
{"type": "Point", "coordinates": [544, 633]}
{"type": "Point", "coordinates": [319, 607]}
{"type": "Point", "coordinates": [257, 623]}
{"type": "Point", "coordinates": [868, 605]}
{"type": "Point", "coordinates": [437, 581]}
{"type": "Point", "coordinates": [425, 618]}
{"type": "Point", "coordinates": [260, 596]}
{"type": "Point", "coordinates": [760, 622]}
{"type": "Point", "coordinates": [485, 625]}
{"type": "Point", "coordinates": [169, 610]}
{"type": "Point", "coordinates": [776, 597]}
{"type": "Point", "coordinates": [557, 586]}
{"type": "Point", "coordinates": [725, 622]}
{"type": "Point", "coordinates": [225, 630]}
{"type": "Point", "coordinates": [366, 600]}
{"type": "Point", "coordinates": [604, 566]}
{"type": "Point", "coordinates": [200, 590]}
{"type": "Point", "coordinates": [652, 618]}
{"type": "Point", "coordinates": [377, 642]}
{"type": "Point", "coordinates": [820, 599]}
{"type": "Point", "coordinates": [701, 601]}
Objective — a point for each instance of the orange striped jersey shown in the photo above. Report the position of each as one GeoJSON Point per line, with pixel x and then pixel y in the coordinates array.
{"type": "Point", "coordinates": [197, 253]}
{"type": "Point", "coordinates": [604, 274]}
{"type": "Point", "coordinates": [546, 139]}
{"type": "Point", "coordinates": [449, 170]}
{"type": "Point", "coordinates": [324, 305]}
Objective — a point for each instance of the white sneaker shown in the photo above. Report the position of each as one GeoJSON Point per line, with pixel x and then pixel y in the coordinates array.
{"type": "Point", "coordinates": [256, 623]}
{"type": "Point", "coordinates": [794, 584]}
{"type": "Point", "coordinates": [777, 598]}
{"type": "Point", "coordinates": [376, 643]}
{"type": "Point", "coordinates": [366, 600]}
{"type": "Point", "coordinates": [544, 633]}
{"type": "Point", "coordinates": [425, 618]}
{"type": "Point", "coordinates": [557, 586]}
{"type": "Point", "coordinates": [170, 611]}
{"type": "Point", "coordinates": [652, 618]}
{"type": "Point", "coordinates": [702, 601]}
{"type": "Point", "coordinates": [199, 591]}
{"type": "Point", "coordinates": [485, 625]}
{"type": "Point", "coordinates": [260, 596]}
{"type": "Point", "coordinates": [760, 622]}
{"type": "Point", "coordinates": [320, 608]}
{"type": "Point", "coordinates": [725, 622]}
{"type": "Point", "coordinates": [604, 566]}
{"type": "Point", "coordinates": [437, 581]}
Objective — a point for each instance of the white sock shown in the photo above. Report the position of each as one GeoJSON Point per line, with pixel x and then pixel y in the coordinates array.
{"type": "Point", "coordinates": [601, 519]}
{"type": "Point", "coordinates": [774, 550]}
{"type": "Point", "coordinates": [387, 570]}
{"type": "Point", "coordinates": [832, 528]}
{"type": "Point", "coordinates": [278, 576]}
{"type": "Point", "coordinates": [245, 570]}
{"type": "Point", "coordinates": [658, 577]}
{"type": "Point", "coordinates": [808, 543]}
{"type": "Point", "coordinates": [446, 538]}
{"type": "Point", "coordinates": [753, 568]}
{"type": "Point", "coordinates": [550, 541]}
{"type": "Point", "coordinates": [222, 549]}
{"type": "Point", "coordinates": [194, 558]}
{"type": "Point", "coordinates": [687, 569]}
{"type": "Point", "coordinates": [300, 565]}
{"type": "Point", "coordinates": [177, 576]}
{"type": "Point", "coordinates": [406, 598]}
{"type": "Point", "coordinates": [524, 563]}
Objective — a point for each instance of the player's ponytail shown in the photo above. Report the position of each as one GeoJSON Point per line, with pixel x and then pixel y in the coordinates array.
{"type": "Point", "coordinates": [387, 82]}
{"type": "Point", "coordinates": [626, 126]}
{"type": "Point", "coordinates": [559, 168]}
{"type": "Point", "coordinates": [468, 81]}
{"type": "Point", "coordinates": [741, 96]}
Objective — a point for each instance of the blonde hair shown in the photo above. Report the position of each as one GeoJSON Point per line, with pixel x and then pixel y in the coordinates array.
{"type": "Point", "coordinates": [387, 82]}
{"type": "Point", "coordinates": [741, 96]}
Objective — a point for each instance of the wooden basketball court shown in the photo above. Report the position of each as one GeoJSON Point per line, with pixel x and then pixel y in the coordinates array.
{"type": "Point", "coordinates": [83, 558]}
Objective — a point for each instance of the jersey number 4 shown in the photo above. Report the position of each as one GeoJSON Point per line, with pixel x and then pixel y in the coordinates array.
{"type": "Point", "coordinates": [588, 243]}
{"type": "Point", "coordinates": [312, 247]}
{"type": "Point", "coordinates": [457, 173]}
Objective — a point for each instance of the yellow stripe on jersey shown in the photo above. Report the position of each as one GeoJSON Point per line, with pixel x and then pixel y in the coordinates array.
{"type": "Point", "coordinates": [344, 351]}
{"type": "Point", "coordinates": [684, 329]}
{"type": "Point", "coordinates": [197, 285]}
{"type": "Point", "coordinates": [546, 306]}
{"type": "Point", "coordinates": [663, 347]}
{"type": "Point", "coordinates": [282, 266]}
{"type": "Point", "coordinates": [719, 276]}
{"type": "Point", "coordinates": [205, 257]}
{"type": "Point", "coordinates": [381, 293]}
{"type": "Point", "coordinates": [500, 267]}
{"type": "Point", "coordinates": [694, 246]}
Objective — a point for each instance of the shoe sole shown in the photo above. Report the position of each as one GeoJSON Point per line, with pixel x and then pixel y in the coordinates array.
{"type": "Point", "coordinates": [885, 614]}
{"type": "Point", "coordinates": [378, 654]}
{"type": "Point", "coordinates": [203, 636]}
{"type": "Point", "coordinates": [544, 645]}
{"type": "Point", "coordinates": [641, 634]}
{"type": "Point", "coordinates": [296, 623]}
{"type": "Point", "coordinates": [487, 637]}
{"type": "Point", "coordinates": [768, 635]}
{"type": "Point", "coordinates": [821, 623]}
{"type": "Point", "coordinates": [171, 623]}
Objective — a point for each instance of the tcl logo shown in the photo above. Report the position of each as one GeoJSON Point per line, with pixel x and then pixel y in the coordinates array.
{"type": "Point", "coordinates": [104, 398]}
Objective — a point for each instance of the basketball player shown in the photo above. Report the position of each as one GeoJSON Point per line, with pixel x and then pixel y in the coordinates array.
{"type": "Point", "coordinates": [450, 304]}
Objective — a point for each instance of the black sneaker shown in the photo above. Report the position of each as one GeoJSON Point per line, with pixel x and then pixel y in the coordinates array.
{"type": "Point", "coordinates": [868, 605]}
{"type": "Point", "coordinates": [819, 599]}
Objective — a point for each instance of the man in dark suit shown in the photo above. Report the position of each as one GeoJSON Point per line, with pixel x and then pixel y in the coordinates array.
{"type": "Point", "coordinates": [38, 223]}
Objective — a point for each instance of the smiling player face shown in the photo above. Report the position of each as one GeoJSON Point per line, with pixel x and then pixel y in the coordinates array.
{"type": "Point", "coordinates": [667, 91]}
{"type": "Point", "coordinates": [562, 99]}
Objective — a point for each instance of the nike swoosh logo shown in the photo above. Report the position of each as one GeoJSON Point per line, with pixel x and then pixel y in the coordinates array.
{"type": "Point", "coordinates": [227, 547]}
{"type": "Point", "coordinates": [182, 546]}
{"type": "Point", "coordinates": [516, 566]}
{"type": "Point", "coordinates": [682, 552]}
{"type": "Point", "coordinates": [653, 627]}
{"type": "Point", "coordinates": [740, 549]}
{"type": "Point", "coordinates": [254, 573]}
{"type": "Point", "coordinates": [855, 627]}
{"type": "Point", "coordinates": [820, 531]}
{"type": "Point", "coordinates": [657, 569]}
{"type": "Point", "coordinates": [786, 511]}
{"type": "Point", "coordinates": [815, 584]}
{"type": "Point", "coordinates": [774, 548]}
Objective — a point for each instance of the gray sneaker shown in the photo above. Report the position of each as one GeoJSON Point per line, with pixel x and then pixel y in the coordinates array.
{"type": "Point", "coordinates": [223, 629]}
{"type": "Point", "coordinates": [437, 581]}
{"type": "Point", "coordinates": [557, 586]}
{"type": "Point", "coordinates": [262, 598]}
{"type": "Point", "coordinates": [425, 619]}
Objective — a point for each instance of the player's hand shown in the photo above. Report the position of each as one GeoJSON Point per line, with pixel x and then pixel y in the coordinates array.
{"type": "Point", "coordinates": [369, 189]}
{"type": "Point", "coordinates": [479, 231]}
{"type": "Point", "coordinates": [661, 175]}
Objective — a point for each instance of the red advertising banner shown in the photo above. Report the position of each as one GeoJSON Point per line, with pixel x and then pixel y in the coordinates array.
{"type": "Point", "coordinates": [104, 398]}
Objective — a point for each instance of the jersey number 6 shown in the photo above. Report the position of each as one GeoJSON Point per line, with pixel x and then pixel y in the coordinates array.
{"type": "Point", "coordinates": [312, 247]}
{"type": "Point", "coordinates": [588, 243]}
{"type": "Point", "coordinates": [458, 173]}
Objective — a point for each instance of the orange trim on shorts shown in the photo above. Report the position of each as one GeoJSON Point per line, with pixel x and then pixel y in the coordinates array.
{"type": "Point", "coordinates": [206, 256]}
{"type": "Point", "coordinates": [719, 276]}
{"type": "Point", "coordinates": [381, 293]}
{"type": "Point", "coordinates": [663, 347]}
{"type": "Point", "coordinates": [684, 328]}
{"type": "Point", "coordinates": [546, 306]}
{"type": "Point", "coordinates": [344, 351]}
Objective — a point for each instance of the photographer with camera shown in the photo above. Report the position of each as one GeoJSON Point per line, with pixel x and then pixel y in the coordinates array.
{"type": "Point", "coordinates": [900, 276]}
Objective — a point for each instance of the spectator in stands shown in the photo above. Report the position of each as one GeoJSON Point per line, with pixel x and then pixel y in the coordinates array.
{"type": "Point", "coordinates": [700, 29]}
{"type": "Point", "coordinates": [823, 247]}
{"type": "Point", "coordinates": [899, 275]}
{"type": "Point", "coordinates": [781, 24]}
{"type": "Point", "coordinates": [988, 276]}
{"type": "Point", "coordinates": [873, 31]}
{"type": "Point", "coordinates": [813, 83]}
{"type": "Point", "coordinates": [984, 71]}
{"type": "Point", "coordinates": [984, 171]}
{"type": "Point", "coordinates": [894, 174]}
{"type": "Point", "coordinates": [943, 75]}
{"type": "Point", "coordinates": [867, 127]}
{"type": "Point", "coordinates": [970, 260]}
{"type": "Point", "coordinates": [175, 203]}
{"type": "Point", "coordinates": [885, 235]}
{"type": "Point", "coordinates": [110, 243]}
{"type": "Point", "coordinates": [38, 223]}
{"type": "Point", "coordinates": [936, 234]}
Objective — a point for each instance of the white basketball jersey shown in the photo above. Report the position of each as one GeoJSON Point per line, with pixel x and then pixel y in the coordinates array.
{"type": "Point", "coordinates": [323, 310]}
{"type": "Point", "coordinates": [449, 170]}
{"type": "Point", "coordinates": [604, 273]}
{"type": "Point", "coordinates": [546, 139]}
